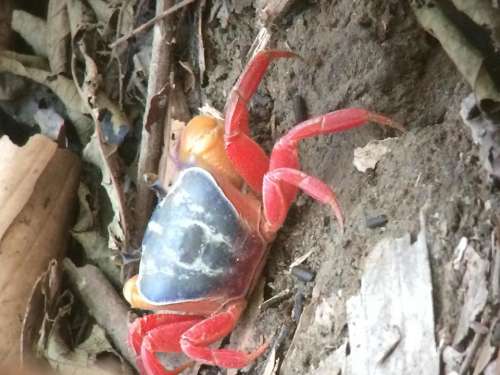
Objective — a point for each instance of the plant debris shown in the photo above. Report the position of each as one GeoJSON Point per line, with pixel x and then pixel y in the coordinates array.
{"type": "Point", "coordinates": [382, 326]}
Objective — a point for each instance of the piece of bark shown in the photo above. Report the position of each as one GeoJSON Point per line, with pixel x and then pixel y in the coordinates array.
{"type": "Point", "coordinates": [395, 294]}
{"type": "Point", "coordinates": [178, 116]}
{"type": "Point", "coordinates": [152, 133]}
{"type": "Point", "coordinates": [104, 304]}
{"type": "Point", "coordinates": [38, 184]}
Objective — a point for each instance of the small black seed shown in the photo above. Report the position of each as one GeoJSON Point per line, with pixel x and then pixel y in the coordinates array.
{"type": "Point", "coordinates": [376, 221]}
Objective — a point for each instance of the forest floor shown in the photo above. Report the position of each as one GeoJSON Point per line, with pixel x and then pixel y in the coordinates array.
{"type": "Point", "coordinates": [374, 55]}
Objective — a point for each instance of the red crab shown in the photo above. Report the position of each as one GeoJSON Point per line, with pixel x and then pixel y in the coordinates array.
{"type": "Point", "coordinates": [207, 240]}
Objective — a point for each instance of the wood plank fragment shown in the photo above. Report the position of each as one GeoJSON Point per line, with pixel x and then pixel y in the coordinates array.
{"type": "Point", "coordinates": [396, 293]}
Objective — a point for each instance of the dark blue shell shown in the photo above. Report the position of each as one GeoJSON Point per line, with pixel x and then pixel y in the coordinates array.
{"type": "Point", "coordinates": [196, 246]}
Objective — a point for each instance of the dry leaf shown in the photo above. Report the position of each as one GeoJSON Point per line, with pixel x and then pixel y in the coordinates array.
{"type": "Point", "coordinates": [38, 183]}
{"type": "Point", "coordinates": [475, 289]}
{"type": "Point", "coordinates": [32, 29]}
{"type": "Point", "coordinates": [61, 86]}
{"type": "Point", "coordinates": [82, 360]}
{"type": "Point", "coordinates": [58, 36]}
{"type": "Point", "coordinates": [93, 243]}
{"type": "Point", "coordinates": [468, 59]}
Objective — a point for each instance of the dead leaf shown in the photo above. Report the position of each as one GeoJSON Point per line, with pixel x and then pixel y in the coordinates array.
{"type": "Point", "coordinates": [84, 359]}
{"type": "Point", "coordinates": [93, 243]}
{"type": "Point", "coordinates": [468, 59]}
{"type": "Point", "coordinates": [484, 131]}
{"type": "Point", "coordinates": [39, 314]}
{"type": "Point", "coordinates": [475, 289]}
{"type": "Point", "coordinates": [58, 36]}
{"type": "Point", "coordinates": [11, 86]}
{"type": "Point", "coordinates": [32, 29]}
{"type": "Point", "coordinates": [485, 356]}
{"type": "Point", "coordinates": [95, 155]}
{"type": "Point", "coordinates": [61, 86]}
{"type": "Point", "coordinates": [37, 186]}
{"type": "Point", "coordinates": [104, 10]}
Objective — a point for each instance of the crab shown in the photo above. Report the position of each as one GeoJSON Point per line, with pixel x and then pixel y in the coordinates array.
{"type": "Point", "coordinates": [207, 240]}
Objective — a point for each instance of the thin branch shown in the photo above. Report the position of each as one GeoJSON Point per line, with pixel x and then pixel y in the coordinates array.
{"type": "Point", "coordinates": [151, 22]}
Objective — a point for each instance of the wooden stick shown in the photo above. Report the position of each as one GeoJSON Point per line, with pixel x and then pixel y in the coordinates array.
{"type": "Point", "coordinates": [151, 22]}
{"type": "Point", "coordinates": [104, 304]}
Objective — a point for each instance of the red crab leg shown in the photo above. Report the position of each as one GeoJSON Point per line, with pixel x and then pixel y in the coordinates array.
{"type": "Point", "coordinates": [275, 202]}
{"type": "Point", "coordinates": [158, 333]}
{"type": "Point", "coordinates": [247, 156]}
{"type": "Point", "coordinates": [195, 341]}
{"type": "Point", "coordinates": [280, 186]}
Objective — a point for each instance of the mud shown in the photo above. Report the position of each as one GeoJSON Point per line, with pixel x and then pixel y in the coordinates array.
{"type": "Point", "coordinates": [369, 54]}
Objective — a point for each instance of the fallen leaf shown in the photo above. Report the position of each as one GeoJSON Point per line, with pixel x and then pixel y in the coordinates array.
{"type": "Point", "coordinates": [38, 185]}
{"type": "Point", "coordinates": [58, 36]}
{"type": "Point", "coordinates": [32, 29]}
{"type": "Point", "coordinates": [475, 289]}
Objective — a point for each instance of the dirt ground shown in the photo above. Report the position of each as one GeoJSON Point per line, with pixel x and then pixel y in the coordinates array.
{"type": "Point", "coordinates": [369, 54]}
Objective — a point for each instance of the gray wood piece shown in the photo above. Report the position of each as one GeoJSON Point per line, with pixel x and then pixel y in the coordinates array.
{"type": "Point", "coordinates": [391, 320]}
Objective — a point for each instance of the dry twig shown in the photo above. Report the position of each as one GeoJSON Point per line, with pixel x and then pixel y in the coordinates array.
{"type": "Point", "coordinates": [152, 21]}
{"type": "Point", "coordinates": [104, 304]}
{"type": "Point", "coordinates": [154, 116]}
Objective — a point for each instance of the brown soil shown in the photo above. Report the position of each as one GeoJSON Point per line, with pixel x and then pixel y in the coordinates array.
{"type": "Point", "coordinates": [369, 54]}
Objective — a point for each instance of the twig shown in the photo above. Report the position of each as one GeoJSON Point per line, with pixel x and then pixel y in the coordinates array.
{"type": "Point", "coordinates": [104, 304]}
{"type": "Point", "coordinates": [201, 47]}
{"type": "Point", "coordinates": [277, 298]}
{"type": "Point", "coordinates": [151, 22]}
{"type": "Point", "coordinates": [495, 274]}
{"type": "Point", "coordinates": [150, 149]}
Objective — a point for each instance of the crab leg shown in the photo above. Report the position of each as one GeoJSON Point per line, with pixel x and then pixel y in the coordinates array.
{"type": "Point", "coordinates": [284, 179]}
{"type": "Point", "coordinates": [276, 204]}
{"type": "Point", "coordinates": [158, 333]}
{"type": "Point", "coordinates": [247, 156]}
{"type": "Point", "coordinates": [195, 341]}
